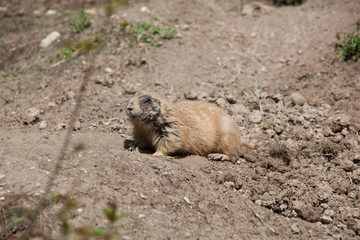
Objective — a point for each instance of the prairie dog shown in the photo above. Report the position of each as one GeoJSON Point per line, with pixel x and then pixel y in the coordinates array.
{"type": "Point", "coordinates": [187, 127]}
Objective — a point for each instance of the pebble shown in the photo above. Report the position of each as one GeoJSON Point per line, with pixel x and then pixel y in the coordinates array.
{"type": "Point", "coordinates": [50, 38]}
{"type": "Point", "coordinates": [255, 116]}
{"type": "Point", "coordinates": [253, 34]}
{"type": "Point", "coordinates": [50, 12]}
{"type": "Point", "coordinates": [326, 219]}
{"type": "Point", "coordinates": [141, 215]}
{"type": "Point", "coordinates": [126, 238]}
{"type": "Point", "coordinates": [80, 210]}
{"type": "Point", "coordinates": [144, 9]}
{"type": "Point", "coordinates": [109, 70]}
{"type": "Point", "coordinates": [297, 99]}
{"type": "Point", "coordinates": [187, 200]}
{"type": "Point", "coordinates": [230, 98]}
{"type": "Point", "coordinates": [129, 88]}
{"type": "Point", "coordinates": [32, 114]}
{"type": "Point", "coordinates": [60, 126]}
{"type": "Point", "coordinates": [70, 95]}
{"type": "Point", "coordinates": [191, 95]}
{"type": "Point", "coordinates": [295, 229]}
{"type": "Point", "coordinates": [143, 196]}
{"type": "Point", "coordinates": [2, 176]}
{"type": "Point", "coordinates": [77, 126]}
{"type": "Point", "coordinates": [84, 170]}
{"type": "Point", "coordinates": [51, 104]}
{"type": "Point", "coordinates": [42, 125]}
{"type": "Point", "coordinates": [221, 102]}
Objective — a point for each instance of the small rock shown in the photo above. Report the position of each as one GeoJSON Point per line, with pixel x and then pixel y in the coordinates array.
{"type": "Point", "coordinates": [49, 39]}
{"type": "Point", "coordinates": [84, 170]}
{"type": "Point", "coordinates": [295, 229]}
{"type": "Point", "coordinates": [297, 99]}
{"type": "Point", "coordinates": [32, 115]}
{"type": "Point", "coordinates": [60, 126]}
{"type": "Point", "coordinates": [278, 97]}
{"type": "Point", "coordinates": [345, 132]}
{"type": "Point", "coordinates": [108, 70]}
{"type": "Point", "coordinates": [129, 88]}
{"type": "Point", "coordinates": [70, 95]}
{"type": "Point", "coordinates": [329, 212]}
{"type": "Point", "coordinates": [229, 185]}
{"type": "Point", "coordinates": [221, 102]}
{"type": "Point", "coordinates": [143, 196]}
{"type": "Point", "coordinates": [258, 202]}
{"type": "Point", "coordinates": [253, 35]}
{"type": "Point", "coordinates": [270, 132]}
{"type": "Point", "coordinates": [79, 210]}
{"type": "Point", "coordinates": [2, 176]}
{"type": "Point", "coordinates": [51, 104]}
{"type": "Point", "coordinates": [347, 165]}
{"type": "Point", "coordinates": [255, 117]}
{"type": "Point", "coordinates": [77, 126]}
{"type": "Point", "coordinates": [42, 125]}
{"type": "Point", "coordinates": [126, 238]}
{"type": "Point", "coordinates": [141, 215]}
{"type": "Point", "coordinates": [50, 12]}
{"type": "Point", "coordinates": [191, 95]}
{"type": "Point", "coordinates": [187, 200]}
{"type": "Point", "coordinates": [144, 9]}
{"type": "Point", "coordinates": [326, 219]}
{"type": "Point", "coordinates": [230, 98]}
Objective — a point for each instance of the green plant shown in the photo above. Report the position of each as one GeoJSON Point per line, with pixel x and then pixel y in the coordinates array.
{"type": "Point", "coordinates": [63, 54]}
{"type": "Point", "coordinates": [81, 21]}
{"type": "Point", "coordinates": [83, 46]}
{"type": "Point", "coordinates": [16, 71]}
{"type": "Point", "coordinates": [145, 32]}
{"type": "Point", "coordinates": [350, 45]}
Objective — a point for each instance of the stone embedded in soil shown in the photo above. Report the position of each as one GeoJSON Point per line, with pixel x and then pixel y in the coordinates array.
{"type": "Point", "coordinates": [347, 165]}
{"type": "Point", "coordinates": [60, 126]}
{"type": "Point", "coordinates": [326, 220]}
{"type": "Point", "coordinates": [221, 102]}
{"type": "Point", "coordinates": [129, 88]}
{"type": "Point", "coordinates": [191, 95]}
{"type": "Point", "coordinates": [297, 99]}
{"type": "Point", "coordinates": [70, 95]}
{"type": "Point", "coordinates": [230, 98]}
{"type": "Point", "coordinates": [49, 39]}
{"type": "Point", "coordinates": [42, 125]}
{"type": "Point", "coordinates": [295, 229]}
{"type": "Point", "coordinates": [77, 126]}
{"type": "Point", "coordinates": [32, 115]}
{"type": "Point", "coordinates": [255, 116]}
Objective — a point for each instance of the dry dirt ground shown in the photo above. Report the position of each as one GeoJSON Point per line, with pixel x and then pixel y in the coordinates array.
{"type": "Point", "coordinates": [275, 73]}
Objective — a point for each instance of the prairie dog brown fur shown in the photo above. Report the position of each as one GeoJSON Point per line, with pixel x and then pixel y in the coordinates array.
{"type": "Point", "coordinates": [187, 127]}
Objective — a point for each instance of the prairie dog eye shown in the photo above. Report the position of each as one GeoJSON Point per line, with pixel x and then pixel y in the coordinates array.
{"type": "Point", "coordinates": [147, 100]}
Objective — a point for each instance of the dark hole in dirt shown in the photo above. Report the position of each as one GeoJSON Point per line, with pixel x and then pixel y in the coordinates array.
{"type": "Point", "coordinates": [287, 2]}
{"type": "Point", "coordinates": [329, 150]}
{"type": "Point", "coordinates": [280, 152]}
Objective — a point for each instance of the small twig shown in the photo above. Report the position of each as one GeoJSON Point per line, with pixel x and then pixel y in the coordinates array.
{"type": "Point", "coordinates": [171, 89]}
{"type": "Point", "coordinates": [258, 217]}
{"type": "Point", "coordinates": [53, 175]}
{"type": "Point", "coordinates": [351, 181]}
{"type": "Point", "coordinates": [326, 169]}
{"type": "Point", "coordinates": [256, 93]}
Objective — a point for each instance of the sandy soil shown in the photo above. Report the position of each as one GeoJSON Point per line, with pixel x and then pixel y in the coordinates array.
{"type": "Point", "coordinates": [276, 75]}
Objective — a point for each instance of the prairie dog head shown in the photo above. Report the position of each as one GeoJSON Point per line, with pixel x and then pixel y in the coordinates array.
{"type": "Point", "coordinates": [144, 106]}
